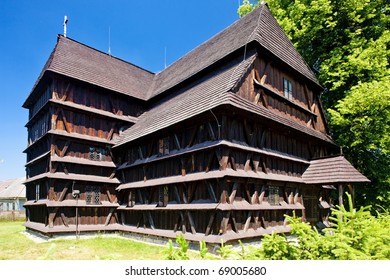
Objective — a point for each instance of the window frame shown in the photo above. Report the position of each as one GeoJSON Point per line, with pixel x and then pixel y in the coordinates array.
{"type": "Point", "coordinates": [287, 88]}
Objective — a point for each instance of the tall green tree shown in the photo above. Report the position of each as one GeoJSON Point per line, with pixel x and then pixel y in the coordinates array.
{"type": "Point", "coordinates": [347, 44]}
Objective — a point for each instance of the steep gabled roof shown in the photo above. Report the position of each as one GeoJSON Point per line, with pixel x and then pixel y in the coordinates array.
{"type": "Point", "coordinates": [190, 101]}
{"type": "Point", "coordinates": [332, 170]}
{"type": "Point", "coordinates": [78, 61]}
{"type": "Point", "coordinates": [258, 26]}
{"type": "Point", "coordinates": [213, 90]}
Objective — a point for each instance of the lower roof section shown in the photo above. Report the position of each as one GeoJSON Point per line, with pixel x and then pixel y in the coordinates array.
{"type": "Point", "coordinates": [73, 177]}
{"type": "Point", "coordinates": [332, 170]}
{"type": "Point", "coordinates": [69, 203]}
{"type": "Point", "coordinates": [209, 175]}
{"type": "Point", "coordinates": [236, 205]}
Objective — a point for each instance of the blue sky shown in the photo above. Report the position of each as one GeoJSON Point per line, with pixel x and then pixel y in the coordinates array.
{"type": "Point", "coordinates": [140, 31]}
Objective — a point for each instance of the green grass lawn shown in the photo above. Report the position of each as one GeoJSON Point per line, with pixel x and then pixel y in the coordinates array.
{"type": "Point", "coordinates": [14, 245]}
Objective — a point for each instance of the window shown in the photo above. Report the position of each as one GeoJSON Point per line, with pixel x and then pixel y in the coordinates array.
{"type": "Point", "coordinates": [92, 195]}
{"type": "Point", "coordinates": [37, 189]}
{"type": "Point", "coordinates": [287, 87]}
{"type": "Point", "coordinates": [97, 154]}
{"type": "Point", "coordinates": [163, 146]}
{"type": "Point", "coordinates": [131, 202]}
{"type": "Point", "coordinates": [273, 195]}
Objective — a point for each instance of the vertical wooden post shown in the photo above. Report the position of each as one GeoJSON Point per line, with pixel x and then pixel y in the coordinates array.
{"type": "Point", "coordinates": [341, 190]}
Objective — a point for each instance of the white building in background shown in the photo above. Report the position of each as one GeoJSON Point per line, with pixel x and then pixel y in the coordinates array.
{"type": "Point", "coordinates": [12, 195]}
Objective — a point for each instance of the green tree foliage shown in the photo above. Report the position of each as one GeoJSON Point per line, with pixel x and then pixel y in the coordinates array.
{"type": "Point", "coordinates": [361, 124]}
{"type": "Point", "coordinates": [346, 43]}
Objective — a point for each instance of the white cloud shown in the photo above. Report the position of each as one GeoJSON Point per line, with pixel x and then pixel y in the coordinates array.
{"type": "Point", "coordinates": [2, 161]}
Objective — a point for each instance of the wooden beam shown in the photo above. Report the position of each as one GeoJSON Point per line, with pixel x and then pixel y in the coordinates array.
{"type": "Point", "coordinates": [192, 224]}
{"type": "Point", "coordinates": [183, 224]}
{"type": "Point", "coordinates": [185, 191]}
{"type": "Point", "coordinates": [191, 193]}
{"type": "Point", "coordinates": [63, 193]}
{"type": "Point", "coordinates": [248, 134]}
{"type": "Point", "coordinates": [248, 221]}
{"type": "Point", "coordinates": [52, 216]}
{"type": "Point", "coordinates": [209, 161]}
{"type": "Point", "coordinates": [263, 138]}
{"type": "Point", "coordinates": [212, 193]}
{"type": "Point", "coordinates": [257, 97]}
{"type": "Point", "coordinates": [234, 192]}
{"type": "Point", "coordinates": [248, 195]}
{"type": "Point", "coordinates": [232, 162]}
{"type": "Point", "coordinates": [178, 146]}
{"type": "Point", "coordinates": [223, 163]}
{"type": "Point", "coordinates": [263, 98]}
{"type": "Point", "coordinates": [210, 224]}
{"type": "Point", "coordinates": [65, 94]}
{"type": "Point", "coordinates": [109, 136]}
{"type": "Point", "coordinates": [193, 135]}
{"type": "Point", "coordinates": [67, 125]}
{"type": "Point", "coordinates": [256, 162]}
{"type": "Point", "coordinates": [64, 219]}
{"type": "Point", "coordinates": [255, 196]}
{"type": "Point", "coordinates": [308, 102]}
{"type": "Point", "coordinates": [224, 223]}
{"type": "Point", "coordinates": [65, 169]}
{"type": "Point", "coordinates": [65, 149]}
{"type": "Point", "coordinates": [109, 196]}
{"type": "Point", "coordinates": [211, 131]}
{"type": "Point", "coordinates": [176, 193]}
{"type": "Point", "coordinates": [264, 74]}
{"type": "Point", "coordinates": [247, 166]}
{"type": "Point", "coordinates": [112, 210]}
{"type": "Point", "coordinates": [224, 193]}
{"type": "Point", "coordinates": [341, 192]}
{"type": "Point", "coordinates": [262, 194]}
{"type": "Point", "coordinates": [151, 222]}
{"type": "Point", "coordinates": [263, 165]}
{"type": "Point", "coordinates": [234, 223]}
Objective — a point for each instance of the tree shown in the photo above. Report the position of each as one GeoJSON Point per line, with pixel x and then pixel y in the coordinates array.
{"type": "Point", "coordinates": [361, 124]}
{"type": "Point", "coordinates": [346, 43]}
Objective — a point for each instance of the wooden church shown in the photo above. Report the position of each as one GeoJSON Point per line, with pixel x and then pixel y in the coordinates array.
{"type": "Point", "coordinates": [219, 145]}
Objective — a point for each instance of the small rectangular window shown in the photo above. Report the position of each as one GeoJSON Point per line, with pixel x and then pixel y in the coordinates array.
{"type": "Point", "coordinates": [131, 202]}
{"type": "Point", "coordinates": [163, 146]}
{"type": "Point", "coordinates": [37, 190]}
{"type": "Point", "coordinates": [92, 195]}
{"type": "Point", "coordinates": [287, 88]}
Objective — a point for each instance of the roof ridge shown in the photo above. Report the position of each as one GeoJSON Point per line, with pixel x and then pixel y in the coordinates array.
{"type": "Point", "coordinates": [60, 36]}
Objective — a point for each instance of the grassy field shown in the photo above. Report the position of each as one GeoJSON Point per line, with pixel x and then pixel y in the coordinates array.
{"type": "Point", "coordinates": [15, 245]}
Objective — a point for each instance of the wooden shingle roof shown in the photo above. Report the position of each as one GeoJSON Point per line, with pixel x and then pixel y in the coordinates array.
{"type": "Point", "coordinates": [81, 62]}
{"type": "Point", "coordinates": [258, 26]}
{"type": "Point", "coordinates": [193, 100]}
{"type": "Point", "coordinates": [212, 91]}
{"type": "Point", "coordinates": [332, 170]}
{"type": "Point", "coordinates": [78, 61]}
